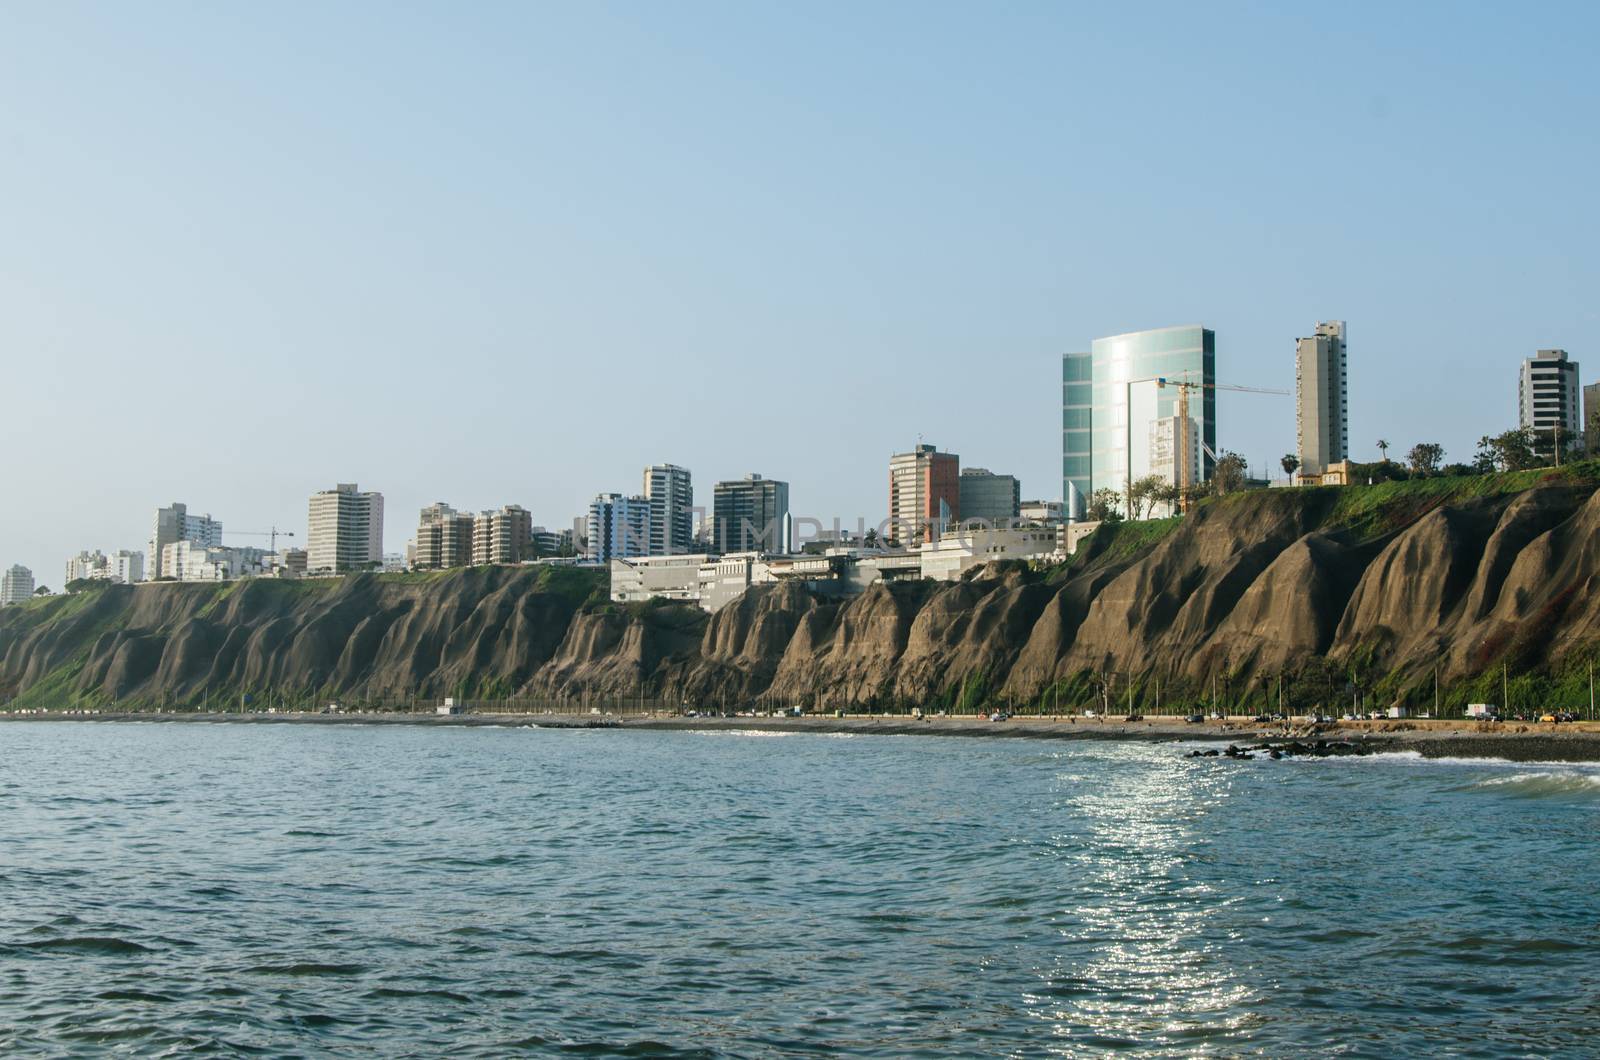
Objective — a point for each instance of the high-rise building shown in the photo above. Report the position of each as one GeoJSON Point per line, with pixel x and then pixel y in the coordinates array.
{"type": "Point", "coordinates": [996, 499]}
{"type": "Point", "coordinates": [1119, 388]}
{"type": "Point", "coordinates": [1591, 417]}
{"type": "Point", "coordinates": [444, 538]}
{"type": "Point", "coordinates": [1547, 393]}
{"type": "Point", "coordinates": [671, 496]}
{"type": "Point", "coordinates": [504, 536]}
{"type": "Point", "coordinates": [618, 527]}
{"type": "Point", "coordinates": [344, 530]}
{"type": "Point", "coordinates": [751, 515]}
{"type": "Point", "coordinates": [1322, 398]}
{"type": "Point", "coordinates": [16, 585]}
{"type": "Point", "coordinates": [1077, 423]}
{"type": "Point", "coordinates": [173, 524]}
{"type": "Point", "coordinates": [924, 495]}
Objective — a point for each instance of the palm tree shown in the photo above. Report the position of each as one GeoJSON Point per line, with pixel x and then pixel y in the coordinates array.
{"type": "Point", "coordinates": [1383, 447]}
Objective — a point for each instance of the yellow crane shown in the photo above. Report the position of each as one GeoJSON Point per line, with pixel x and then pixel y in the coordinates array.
{"type": "Point", "coordinates": [1182, 466]}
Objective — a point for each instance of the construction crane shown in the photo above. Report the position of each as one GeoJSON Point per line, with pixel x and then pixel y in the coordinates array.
{"type": "Point", "coordinates": [1181, 465]}
{"type": "Point", "coordinates": [1184, 386]}
{"type": "Point", "coordinates": [272, 535]}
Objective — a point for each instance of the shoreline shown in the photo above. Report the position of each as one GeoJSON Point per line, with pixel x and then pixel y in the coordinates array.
{"type": "Point", "coordinates": [1516, 741]}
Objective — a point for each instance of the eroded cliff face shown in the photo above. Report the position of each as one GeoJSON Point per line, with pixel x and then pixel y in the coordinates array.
{"type": "Point", "coordinates": [1260, 584]}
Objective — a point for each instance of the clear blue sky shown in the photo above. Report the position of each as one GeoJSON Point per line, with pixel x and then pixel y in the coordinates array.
{"type": "Point", "coordinates": [493, 253]}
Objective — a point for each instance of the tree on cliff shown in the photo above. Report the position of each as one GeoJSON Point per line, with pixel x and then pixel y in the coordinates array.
{"type": "Point", "coordinates": [1228, 476]}
{"type": "Point", "coordinates": [1290, 462]}
{"type": "Point", "coordinates": [1144, 494]}
{"type": "Point", "coordinates": [1105, 505]}
{"type": "Point", "coordinates": [1425, 458]}
{"type": "Point", "coordinates": [1508, 451]}
{"type": "Point", "coordinates": [1383, 447]}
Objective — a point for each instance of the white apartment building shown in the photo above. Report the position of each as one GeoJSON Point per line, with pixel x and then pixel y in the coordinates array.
{"type": "Point", "coordinates": [670, 495]}
{"type": "Point", "coordinates": [344, 530]}
{"type": "Point", "coordinates": [215, 563]}
{"type": "Point", "coordinates": [127, 566]}
{"type": "Point", "coordinates": [121, 567]}
{"type": "Point", "coordinates": [87, 565]}
{"type": "Point", "coordinates": [174, 523]}
{"type": "Point", "coordinates": [618, 527]}
{"type": "Point", "coordinates": [16, 585]}
{"type": "Point", "coordinates": [1547, 399]}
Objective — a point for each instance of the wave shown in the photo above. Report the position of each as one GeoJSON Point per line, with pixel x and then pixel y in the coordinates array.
{"type": "Point", "coordinates": [1541, 785]}
{"type": "Point", "coordinates": [87, 944]}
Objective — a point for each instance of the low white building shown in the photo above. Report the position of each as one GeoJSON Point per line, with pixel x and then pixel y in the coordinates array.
{"type": "Point", "coordinates": [1041, 512]}
{"type": "Point", "coordinates": [962, 549]}
{"type": "Point", "coordinates": [713, 582]}
{"type": "Point", "coordinates": [657, 577]}
{"type": "Point", "coordinates": [86, 566]}
{"type": "Point", "coordinates": [121, 567]}
{"type": "Point", "coordinates": [190, 562]}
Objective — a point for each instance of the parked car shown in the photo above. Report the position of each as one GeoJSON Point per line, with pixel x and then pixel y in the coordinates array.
{"type": "Point", "coordinates": [1134, 717]}
{"type": "Point", "coordinates": [1195, 719]}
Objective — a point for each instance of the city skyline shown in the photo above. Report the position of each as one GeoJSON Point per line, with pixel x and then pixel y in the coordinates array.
{"type": "Point", "coordinates": [925, 247]}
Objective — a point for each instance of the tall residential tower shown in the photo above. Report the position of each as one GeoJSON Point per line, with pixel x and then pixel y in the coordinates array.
{"type": "Point", "coordinates": [670, 494]}
{"type": "Point", "coordinates": [1547, 398]}
{"type": "Point", "coordinates": [344, 530]}
{"type": "Point", "coordinates": [1322, 398]}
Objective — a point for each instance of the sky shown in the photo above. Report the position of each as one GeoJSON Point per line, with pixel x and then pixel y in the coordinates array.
{"type": "Point", "coordinates": [511, 253]}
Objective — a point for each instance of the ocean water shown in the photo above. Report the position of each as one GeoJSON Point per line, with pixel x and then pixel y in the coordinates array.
{"type": "Point", "coordinates": [182, 889]}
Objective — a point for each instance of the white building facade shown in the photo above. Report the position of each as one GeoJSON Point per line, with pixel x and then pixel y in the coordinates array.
{"type": "Point", "coordinates": [16, 585]}
{"type": "Point", "coordinates": [1547, 399]}
{"type": "Point", "coordinates": [618, 527]}
{"type": "Point", "coordinates": [344, 530]}
{"type": "Point", "coordinates": [215, 563]}
{"type": "Point", "coordinates": [174, 523]}
{"type": "Point", "coordinates": [669, 492]}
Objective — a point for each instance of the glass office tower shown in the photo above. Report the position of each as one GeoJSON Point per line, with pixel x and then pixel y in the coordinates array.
{"type": "Point", "coordinates": [1115, 393]}
{"type": "Point", "coordinates": [1077, 405]}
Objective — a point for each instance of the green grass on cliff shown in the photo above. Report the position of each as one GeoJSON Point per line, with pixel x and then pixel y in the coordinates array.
{"type": "Point", "coordinates": [1366, 512]}
{"type": "Point", "coordinates": [1371, 511]}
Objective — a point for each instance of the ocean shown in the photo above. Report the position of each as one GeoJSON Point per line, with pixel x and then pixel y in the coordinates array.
{"type": "Point", "coordinates": [284, 890]}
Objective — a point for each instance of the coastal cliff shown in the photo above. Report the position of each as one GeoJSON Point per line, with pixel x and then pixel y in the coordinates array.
{"type": "Point", "coordinates": [1380, 590]}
